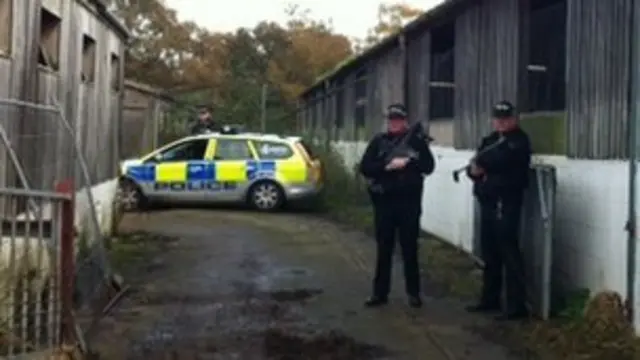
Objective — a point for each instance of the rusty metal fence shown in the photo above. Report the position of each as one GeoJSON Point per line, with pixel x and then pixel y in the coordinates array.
{"type": "Point", "coordinates": [536, 237]}
{"type": "Point", "coordinates": [34, 311]}
{"type": "Point", "coordinates": [40, 156]}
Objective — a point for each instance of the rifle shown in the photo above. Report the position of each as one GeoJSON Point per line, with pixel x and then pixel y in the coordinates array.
{"type": "Point", "coordinates": [456, 172]}
{"type": "Point", "coordinates": [401, 148]}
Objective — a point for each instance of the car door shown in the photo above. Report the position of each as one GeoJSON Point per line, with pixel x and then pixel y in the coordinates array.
{"type": "Point", "coordinates": [180, 170]}
{"type": "Point", "coordinates": [231, 156]}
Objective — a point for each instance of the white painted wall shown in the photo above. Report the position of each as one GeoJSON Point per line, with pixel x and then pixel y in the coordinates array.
{"type": "Point", "coordinates": [591, 210]}
{"type": "Point", "coordinates": [103, 195]}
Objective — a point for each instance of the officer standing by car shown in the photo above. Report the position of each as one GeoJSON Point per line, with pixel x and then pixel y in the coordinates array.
{"type": "Point", "coordinates": [500, 177]}
{"type": "Point", "coordinates": [205, 122]}
{"type": "Point", "coordinates": [396, 189]}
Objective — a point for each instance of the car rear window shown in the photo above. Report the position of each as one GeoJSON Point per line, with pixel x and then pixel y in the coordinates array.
{"type": "Point", "coordinates": [307, 149]}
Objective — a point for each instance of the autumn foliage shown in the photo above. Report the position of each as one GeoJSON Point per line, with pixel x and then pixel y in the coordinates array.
{"type": "Point", "coordinates": [229, 70]}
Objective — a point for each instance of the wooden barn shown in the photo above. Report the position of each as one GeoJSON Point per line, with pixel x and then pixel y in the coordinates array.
{"type": "Point", "coordinates": [145, 109]}
{"type": "Point", "coordinates": [567, 66]}
{"type": "Point", "coordinates": [67, 57]}
{"type": "Point", "coordinates": [565, 63]}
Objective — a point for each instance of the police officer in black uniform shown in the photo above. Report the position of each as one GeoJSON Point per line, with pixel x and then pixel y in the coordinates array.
{"type": "Point", "coordinates": [205, 122]}
{"type": "Point", "coordinates": [396, 190]}
{"type": "Point", "coordinates": [499, 176]}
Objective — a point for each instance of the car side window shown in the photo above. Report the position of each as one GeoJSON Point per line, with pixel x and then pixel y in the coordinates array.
{"type": "Point", "coordinates": [188, 150]}
{"type": "Point", "coordinates": [272, 150]}
{"type": "Point", "coordinates": [232, 149]}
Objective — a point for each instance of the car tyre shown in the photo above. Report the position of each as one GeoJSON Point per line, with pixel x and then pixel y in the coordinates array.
{"type": "Point", "coordinates": [129, 197]}
{"type": "Point", "coordinates": [266, 196]}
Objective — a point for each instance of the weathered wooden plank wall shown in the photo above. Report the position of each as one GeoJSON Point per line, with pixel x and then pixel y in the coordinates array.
{"type": "Point", "coordinates": [490, 51]}
{"type": "Point", "coordinates": [389, 75]}
{"type": "Point", "coordinates": [418, 70]}
{"type": "Point", "coordinates": [486, 65]}
{"type": "Point", "coordinates": [23, 81]}
{"type": "Point", "coordinates": [349, 96]}
{"type": "Point", "coordinates": [597, 72]}
{"type": "Point", "coordinates": [144, 108]}
{"type": "Point", "coordinates": [44, 146]}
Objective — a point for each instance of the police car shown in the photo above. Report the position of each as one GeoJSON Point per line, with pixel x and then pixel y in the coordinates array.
{"type": "Point", "coordinates": [264, 171]}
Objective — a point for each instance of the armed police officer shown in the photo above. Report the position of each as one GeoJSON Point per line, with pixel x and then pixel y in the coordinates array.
{"type": "Point", "coordinates": [205, 122]}
{"type": "Point", "coordinates": [499, 175]}
{"type": "Point", "coordinates": [396, 179]}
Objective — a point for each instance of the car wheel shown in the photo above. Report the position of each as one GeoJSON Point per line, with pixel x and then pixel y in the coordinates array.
{"type": "Point", "coordinates": [266, 196]}
{"type": "Point", "coordinates": [129, 196]}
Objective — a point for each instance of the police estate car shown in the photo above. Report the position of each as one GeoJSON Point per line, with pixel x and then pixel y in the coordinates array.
{"type": "Point", "coordinates": [264, 171]}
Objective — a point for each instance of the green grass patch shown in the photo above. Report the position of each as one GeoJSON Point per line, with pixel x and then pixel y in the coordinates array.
{"type": "Point", "coordinates": [130, 251]}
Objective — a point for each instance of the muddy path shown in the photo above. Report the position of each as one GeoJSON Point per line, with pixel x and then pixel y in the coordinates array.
{"type": "Point", "coordinates": [239, 285]}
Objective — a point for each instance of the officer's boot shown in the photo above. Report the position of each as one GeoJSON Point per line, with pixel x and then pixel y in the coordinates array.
{"type": "Point", "coordinates": [376, 301]}
{"type": "Point", "coordinates": [415, 301]}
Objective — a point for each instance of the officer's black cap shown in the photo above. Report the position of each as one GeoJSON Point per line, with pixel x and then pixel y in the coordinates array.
{"type": "Point", "coordinates": [503, 109]}
{"type": "Point", "coordinates": [396, 111]}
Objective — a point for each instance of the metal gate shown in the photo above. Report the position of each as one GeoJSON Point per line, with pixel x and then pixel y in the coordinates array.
{"type": "Point", "coordinates": [40, 158]}
{"type": "Point", "coordinates": [536, 236]}
{"type": "Point", "coordinates": [35, 284]}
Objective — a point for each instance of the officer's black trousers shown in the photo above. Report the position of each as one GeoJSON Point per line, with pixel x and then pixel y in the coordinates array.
{"type": "Point", "coordinates": [397, 215]}
{"type": "Point", "coordinates": [500, 224]}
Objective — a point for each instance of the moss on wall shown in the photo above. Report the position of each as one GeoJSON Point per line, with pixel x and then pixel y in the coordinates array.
{"type": "Point", "coordinates": [547, 132]}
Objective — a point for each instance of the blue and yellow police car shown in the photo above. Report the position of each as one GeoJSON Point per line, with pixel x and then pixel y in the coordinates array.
{"type": "Point", "coordinates": [264, 171]}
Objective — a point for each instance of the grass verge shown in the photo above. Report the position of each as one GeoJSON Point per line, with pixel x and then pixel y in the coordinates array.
{"type": "Point", "coordinates": [586, 327]}
{"type": "Point", "coordinates": [135, 253]}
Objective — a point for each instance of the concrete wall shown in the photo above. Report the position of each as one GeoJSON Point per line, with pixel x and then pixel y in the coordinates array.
{"type": "Point", "coordinates": [591, 209]}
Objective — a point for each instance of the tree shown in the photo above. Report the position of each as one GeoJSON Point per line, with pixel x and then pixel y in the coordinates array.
{"type": "Point", "coordinates": [229, 70]}
{"type": "Point", "coordinates": [315, 49]}
{"type": "Point", "coordinates": [391, 19]}
{"type": "Point", "coordinates": [164, 51]}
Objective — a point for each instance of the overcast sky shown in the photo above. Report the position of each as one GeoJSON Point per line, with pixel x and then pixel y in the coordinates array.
{"type": "Point", "coordinates": [351, 17]}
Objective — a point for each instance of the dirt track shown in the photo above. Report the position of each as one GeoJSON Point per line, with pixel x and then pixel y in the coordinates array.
{"type": "Point", "coordinates": [236, 285]}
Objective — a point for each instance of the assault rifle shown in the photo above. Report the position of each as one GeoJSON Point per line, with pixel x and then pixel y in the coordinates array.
{"type": "Point", "coordinates": [457, 172]}
{"type": "Point", "coordinates": [401, 148]}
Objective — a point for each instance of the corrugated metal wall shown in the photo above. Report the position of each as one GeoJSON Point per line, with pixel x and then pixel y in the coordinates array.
{"type": "Point", "coordinates": [486, 65]}
{"type": "Point", "coordinates": [597, 74]}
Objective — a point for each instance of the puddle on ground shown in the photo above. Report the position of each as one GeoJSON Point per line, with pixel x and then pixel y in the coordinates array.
{"type": "Point", "coordinates": [294, 294]}
{"type": "Point", "coordinates": [292, 272]}
{"type": "Point", "coordinates": [331, 345]}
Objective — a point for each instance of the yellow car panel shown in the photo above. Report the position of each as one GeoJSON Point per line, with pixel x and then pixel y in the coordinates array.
{"type": "Point", "coordinates": [291, 171]}
{"type": "Point", "coordinates": [171, 172]}
{"type": "Point", "coordinates": [231, 171]}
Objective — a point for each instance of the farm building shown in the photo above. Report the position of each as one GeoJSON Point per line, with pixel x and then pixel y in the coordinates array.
{"type": "Point", "coordinates": [565, 63]}
{"type": "Point", "coordinates": [145, 109]}
{"type": "Point", "coordinates": [69, 56]}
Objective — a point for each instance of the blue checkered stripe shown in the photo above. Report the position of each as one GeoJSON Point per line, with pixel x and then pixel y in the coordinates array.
{"type": "Point", "coordinates": [205, 171]}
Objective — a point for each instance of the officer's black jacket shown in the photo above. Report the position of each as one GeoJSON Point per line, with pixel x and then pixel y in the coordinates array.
{"type": "Point", "coordinates": [200, 128]}
{"type": "Point", "coordinates": [409, 179]}
{"type": "Point", "coordinates": [506, 166]}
